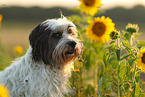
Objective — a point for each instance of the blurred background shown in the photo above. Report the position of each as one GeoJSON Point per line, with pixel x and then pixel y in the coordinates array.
{"type": "Point", "coordinates": [21, 16]}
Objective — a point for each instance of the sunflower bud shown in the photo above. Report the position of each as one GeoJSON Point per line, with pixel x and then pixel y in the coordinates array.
{"type": "Point", "coordinates": [132, 28]}
{"type": "Point", "coordinates": [114, 34]}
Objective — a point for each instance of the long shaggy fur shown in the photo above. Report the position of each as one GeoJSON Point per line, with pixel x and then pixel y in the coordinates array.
{"type": "Point", "coordinates": [44, 70]}
{"type": "Point", "coordinates": [27, 78]}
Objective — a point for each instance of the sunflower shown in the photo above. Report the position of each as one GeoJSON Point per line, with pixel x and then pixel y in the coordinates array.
{"type": "Point", "coordinates": [1, 17]}
{"type": "Point", "coordinates": [90, 6]}
{"type": "Point", "coordinates": [114, 34]}
{"type": "Point", "coordinates": [3, 91]}
{"type": "Point", "coordinates": [18, 49]}
{"type": "Point", "coordinates": [132, 28]}
{"type": "Point", "coordinates": [141, 59]}
{"type": "Point", "coordinates": [100, 29]}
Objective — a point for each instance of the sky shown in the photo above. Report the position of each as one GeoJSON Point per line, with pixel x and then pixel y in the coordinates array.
{"type": "Point", "coordinates": [69, 3]}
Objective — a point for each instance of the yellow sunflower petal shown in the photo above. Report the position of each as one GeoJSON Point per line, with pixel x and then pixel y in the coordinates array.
{"type": "Point", "coordinates": [3, 91]}
{"type": "Point", "coordinates": [100, 29]}
{"type": "Point", "coordinates": [90, 6]}
{"type": "Point", "coordinates": [141, 60]}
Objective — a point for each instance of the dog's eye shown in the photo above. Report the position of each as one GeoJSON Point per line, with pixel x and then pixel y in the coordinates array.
{"type": "Point", "coordinates": [57, 35]}
{"type": "Point", "coordinates": [71, 31]}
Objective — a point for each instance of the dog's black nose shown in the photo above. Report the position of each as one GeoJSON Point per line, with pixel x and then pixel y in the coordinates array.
{"type": "Point", "coordinates": [72, 44]}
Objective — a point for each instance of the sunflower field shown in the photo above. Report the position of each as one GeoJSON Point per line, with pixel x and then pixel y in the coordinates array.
{"type": "Point", "coordinates": [112, 62]}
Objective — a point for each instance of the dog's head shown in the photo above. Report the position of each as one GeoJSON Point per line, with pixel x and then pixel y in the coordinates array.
{"type": "Point", "coordinates": [55, 42]}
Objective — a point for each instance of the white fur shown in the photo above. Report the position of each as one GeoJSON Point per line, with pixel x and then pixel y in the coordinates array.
{"type": "Point", "coordinates": [27, 78]}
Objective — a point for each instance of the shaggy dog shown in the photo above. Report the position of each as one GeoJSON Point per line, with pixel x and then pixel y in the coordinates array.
{"type": "Point", "coordinates": [44, 70]}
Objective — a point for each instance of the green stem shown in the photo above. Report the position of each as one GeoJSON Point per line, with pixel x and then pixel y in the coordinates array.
{"type": "Point", "coordinates": [134, 73]}
{"type": "Point", "coordinates": [95, 71]}
{"type": "Point", "coordinates": [130, 41]}
{"type": "Point", "coordinates": [95, 80]}
{"type": "Point", "coordinates": [117, 43]}
{"type": "Point", "coordinates": [118, 83]}
{"type": "Point", "coordinates": [118, 57]}
{"type": "Point", "coordinates": [134, 81]}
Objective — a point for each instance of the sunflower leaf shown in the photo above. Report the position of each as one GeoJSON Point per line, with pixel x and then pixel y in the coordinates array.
{"type": "Point", "coordinates": [127, 36]}
{"type": "Point", "coordinates": [101, 71]}
{"type": "Point", "coordinates": [126, 44]}
{"type": "Point", "coordinates": [126, 86]}
{"type": "Point", "coordinates": [131, 60]}
{"type": "Point", "coordinates": [106, 58]}
{"type": "Point", "coordinates": [137, 76]}
{"type": "Point", "coordinates": [140, 43]}
{"type": "Point", "coordinates": [136, 90]}
{"type": "Point", "coordinates": [122, 70]}
{"type": "Point", "coordinates": [113, 60]}
{"type": "Point", "coordinates": [136, 35]}
{"type": "Point", "coordinates": [112, 42]}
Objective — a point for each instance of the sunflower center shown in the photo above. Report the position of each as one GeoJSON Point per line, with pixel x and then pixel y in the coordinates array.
{"type": "Point", "coordinates": [89, 2]}
{"type": "Point", "coordinates": [143, 58]}
{"type": "Point", "coordinates": [99, 28]}
{"type": "Point", "coordinates": [113, 34]}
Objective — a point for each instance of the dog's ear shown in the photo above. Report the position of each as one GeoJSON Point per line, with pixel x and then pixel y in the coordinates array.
{"type": "Point", "coordinates": [39, 41]}
{"type": "Point", "coordinates": [34, 35]}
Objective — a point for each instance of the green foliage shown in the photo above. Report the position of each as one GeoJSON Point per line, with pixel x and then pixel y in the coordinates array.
{"type": "Point", "coordinates": [111, 67]}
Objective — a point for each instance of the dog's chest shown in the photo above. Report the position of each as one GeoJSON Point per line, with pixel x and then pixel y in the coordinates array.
{"type": "Point", "coordinates": [34, 81]}
{"type": "Point", "coordinates": [45, 83]}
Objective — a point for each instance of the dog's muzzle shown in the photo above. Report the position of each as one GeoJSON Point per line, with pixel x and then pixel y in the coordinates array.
{"type": "Point", "coordinates": [71, 48]}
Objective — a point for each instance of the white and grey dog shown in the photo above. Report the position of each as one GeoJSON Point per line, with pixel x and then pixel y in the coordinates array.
{"type": "Point", "coordinates": [44, 70]}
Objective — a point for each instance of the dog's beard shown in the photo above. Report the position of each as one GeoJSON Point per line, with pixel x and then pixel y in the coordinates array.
{"type": "Point", "coordinates": [64, 54]}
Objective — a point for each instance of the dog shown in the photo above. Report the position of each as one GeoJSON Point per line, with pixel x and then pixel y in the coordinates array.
{"type": "Point", "coordinates": [45, 68]}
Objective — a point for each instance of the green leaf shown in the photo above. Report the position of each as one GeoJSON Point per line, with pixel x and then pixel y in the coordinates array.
{"type": "Point", "coordinates": [101, 71]}
{"type": "Point", "coordinates": [142, 94]}
{"type": "Point", "coordinates": [124, 57]}
{"type": "Point", "coordinates": [122, 70]}
{"type": "Point", "coordinates": [112, 47]}
{"type": "Point", "coordinates": [131, 60]}
{"type": "Point", "coordinates": [114, 64]}
{"type": "Point", "coordinates": [137, 90]}
{"type": "Point", "coordinates": [127, 36]}
{"type": "Point", "coordinates": [113, 60]}
{"type": "Point", "coordinates": [112, 42]}
{"type": "Point", "coordinates": [140, 43]}
{"type": "Point", "coordinates": [136, 35]}
{"type": "Point", "coordinates": [137, 76]}
{"type": "Point", "coordinates": [118, 52]}
{"type": "Point", "coordinates": [108, 88]}
{"type": "Point", "coordinates": [126, 44]}
{"type": "Point", "coordinates": [100, 86]}
{"type": "Point", "coordinates": [106, 58]}
{"type": "Point", "coordinates": [126, 87]}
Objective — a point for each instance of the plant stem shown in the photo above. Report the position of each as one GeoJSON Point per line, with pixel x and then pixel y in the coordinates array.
{"type": "Point", "coordinates": [118, 83]}
{"type": "Point", "coordinates": [118, 57]}
{"type": "Point", "coordinates": [134, 73]}
{"type": "Point", "coordinates": [95, 80]}
{"type": "Point", "coordinates": [130, 41]}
